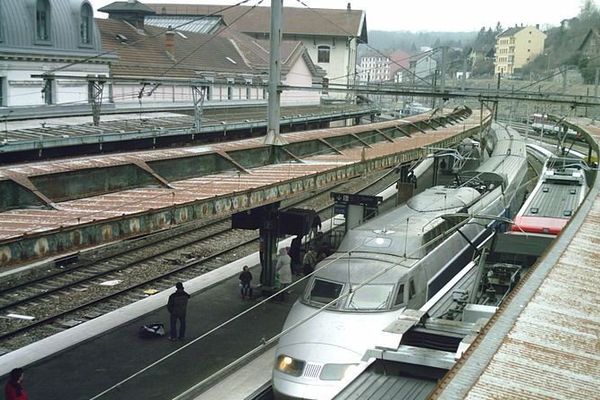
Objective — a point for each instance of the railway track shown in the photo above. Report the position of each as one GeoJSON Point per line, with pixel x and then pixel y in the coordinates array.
{"type": "Point", "coordinates": [111, 278]}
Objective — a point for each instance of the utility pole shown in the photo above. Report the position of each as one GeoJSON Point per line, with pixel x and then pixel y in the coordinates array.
{"type": "Point", "coordinates": [495, 112]}
{"type": "Point", "coordinates": [268, 230]}
{"type": "Point", "coordinates": [443, 78]}
{"type": "Point", "coordinates": [198, 94]}
{"type": "Point", "coordinates": [95, 90]}
{"type": "Point", "coordinates": [596, 82]}
{"type": "Point", "coordinates": [463, 81]}
{"type": "Point", "coordinates": [273, 137]}
{"type": "Point", "coordinates": [564, 86]}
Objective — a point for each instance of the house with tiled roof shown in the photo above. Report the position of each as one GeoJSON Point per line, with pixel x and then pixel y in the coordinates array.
{"type": "Point", "coordinates": [54, 37]}
{"type": "Point", "coordinates": [420, 71]}
{"type": "Point", "coordinates": [590, 46]}
{"type": "Point", "coordinates": [516, 47]}
{"type": "Point", "coordinates": [229, 65]}
{"type": "Point", "coordinates": [331, 36]}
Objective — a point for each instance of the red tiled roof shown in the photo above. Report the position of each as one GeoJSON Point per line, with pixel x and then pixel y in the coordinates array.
{"type": "Point", "coordinates": [296, 21]}
{"type": "Point", "coordinates": [226, 52]}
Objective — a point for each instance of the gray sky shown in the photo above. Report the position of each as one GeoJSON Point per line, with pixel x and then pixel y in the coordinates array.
{"type": "Point", "coordinates": [431, 15]}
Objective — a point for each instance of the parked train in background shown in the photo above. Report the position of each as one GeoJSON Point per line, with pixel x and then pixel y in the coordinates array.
{"type": "Point", "coordinates": [542, 124]}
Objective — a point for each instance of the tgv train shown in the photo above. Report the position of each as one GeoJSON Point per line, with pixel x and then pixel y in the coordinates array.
{"type": "Point", "coordinates": [556, 197]}
{"type": "Point", "coordinates": [397, 260]}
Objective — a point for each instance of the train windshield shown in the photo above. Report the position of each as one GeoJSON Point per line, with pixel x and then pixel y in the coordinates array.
{"type": "Point", "coordinates": [370, 297]}
{"type": "Point", "coordinates": [324, 292]}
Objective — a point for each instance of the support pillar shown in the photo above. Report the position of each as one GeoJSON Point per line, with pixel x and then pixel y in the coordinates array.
{"type": "Point", "coordinates": [268, 245]}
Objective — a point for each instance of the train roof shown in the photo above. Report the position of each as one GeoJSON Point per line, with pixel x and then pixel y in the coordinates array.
{"type": "Point", "coordinates": [400, 231]}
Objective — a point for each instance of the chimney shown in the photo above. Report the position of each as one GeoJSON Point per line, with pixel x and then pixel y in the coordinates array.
{"type": "Point", "coordinates": [170, 41]}
{"type": "Point", "coordinates": [349, 7]}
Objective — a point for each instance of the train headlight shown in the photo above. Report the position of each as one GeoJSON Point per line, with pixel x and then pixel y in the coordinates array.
{"type": "Point", "coordinates": [289, 365]}
{"type": "Point", "coordinates": [334, 372]}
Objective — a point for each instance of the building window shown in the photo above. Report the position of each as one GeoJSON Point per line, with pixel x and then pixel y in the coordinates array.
{"type": "Point", "coordinates": [229, 93]}
{"type": "Point", "coordinates": [42, 20]}
{"type": "Point", "coordinates": [323, 54]}
{"type": "Point", "coordinates": [248, 92]}
{"type": "Point", "coordinates": [85, 26]}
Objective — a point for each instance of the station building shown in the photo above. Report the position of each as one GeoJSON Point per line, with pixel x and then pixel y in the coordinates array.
{"type": "Point", "coordinates": [227, 64]}
{"type": "Point", "coordinates": [48, 37]}
{"type": "Point", "coordinates": [331, 36]}
{"type": "Point", "coordinates": [45, 42]}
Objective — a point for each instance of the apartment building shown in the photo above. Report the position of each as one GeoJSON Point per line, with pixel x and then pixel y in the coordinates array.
{"type": "Point", "coordinates": [516, 47]}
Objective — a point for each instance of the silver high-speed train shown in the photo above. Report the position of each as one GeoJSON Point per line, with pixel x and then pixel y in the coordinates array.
{"type": "Point", "coordinates": [397, 260]}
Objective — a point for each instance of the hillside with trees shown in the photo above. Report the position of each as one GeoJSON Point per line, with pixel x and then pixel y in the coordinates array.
{"type": "Point", "coordinates": [563, 43]}
{"type": "Point", "coordinates": [562, 46]}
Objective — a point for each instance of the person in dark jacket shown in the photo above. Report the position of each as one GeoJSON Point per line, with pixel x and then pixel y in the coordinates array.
{"type": "Point", "coordinates": [294, 253]}
{"type": "Point", "coordinates": [177, 307]}
{"type": "Point", "coordinates": [13, 390]}
{"type": "Point", "coordinates": [245, 280]}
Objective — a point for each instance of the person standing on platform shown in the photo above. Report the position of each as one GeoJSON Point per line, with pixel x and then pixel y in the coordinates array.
{"type": "Point", "coordinates": [294, 254]}
{"type": "Point", "coordinates": [245, 283]}
{"type": "Point", "coordinates": [177, 307]}
{"type": "Point", "coordinates": [14, 390]}
{"type": "Point", "coordinates": [309, 261]}
{"type": "Point", "coordinates": [315, 227]}
{"type": "Point", "coordinates": [284, 270]}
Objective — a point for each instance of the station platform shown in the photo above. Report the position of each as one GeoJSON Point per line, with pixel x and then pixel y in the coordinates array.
{"type": "Point", "coordinates": [105, 359]}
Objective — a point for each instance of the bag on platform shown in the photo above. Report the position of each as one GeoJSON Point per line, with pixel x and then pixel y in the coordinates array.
{"type": "Point", "coordinates": [151, 331]}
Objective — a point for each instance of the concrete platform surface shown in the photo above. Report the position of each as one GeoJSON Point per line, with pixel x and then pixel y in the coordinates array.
{"type": "Point", "coordinates": [57, 369]}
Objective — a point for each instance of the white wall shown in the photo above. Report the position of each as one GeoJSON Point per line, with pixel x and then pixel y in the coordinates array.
{"type": "Point", "coordinates": [299, 75]}
{"type": "Point", "coordinates": [20, 89]}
